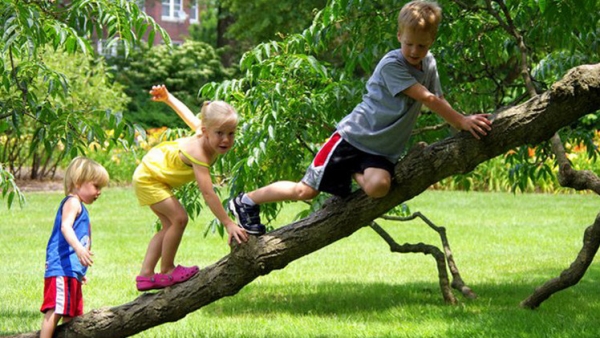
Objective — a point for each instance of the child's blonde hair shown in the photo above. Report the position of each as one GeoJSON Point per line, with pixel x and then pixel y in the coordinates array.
{"type": "Point", "coordinates": [82, 170]}
{"type": "Point", "coordinates": [215, 114]}
{"type": "Point", "coordinates": [424, 16]}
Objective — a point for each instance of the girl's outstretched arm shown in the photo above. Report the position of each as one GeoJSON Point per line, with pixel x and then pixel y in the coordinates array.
{"type": "Point", "coordinates": [214, 204]}
{"type": "Point", "coordinates": [161, 94]}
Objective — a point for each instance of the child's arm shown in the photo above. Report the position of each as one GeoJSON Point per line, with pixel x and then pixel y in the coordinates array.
{"type": "Point", "coordinates": [214, 203]}
{"type": "Point", "coordinates": [477, 124]}
{"type": "Point", "coordinates": [161, 94]}
{"type": "Point", "coordinates": [71, 209]}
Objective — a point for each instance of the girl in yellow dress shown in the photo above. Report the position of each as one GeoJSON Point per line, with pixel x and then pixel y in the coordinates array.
{"type": "Point", "coordinates": [172, 164]}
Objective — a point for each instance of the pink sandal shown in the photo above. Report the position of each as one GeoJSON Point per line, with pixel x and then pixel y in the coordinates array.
{"type": "Point", "coordinates": [156, 282]}
{"type": "Point", "coordinates": [182, 273]}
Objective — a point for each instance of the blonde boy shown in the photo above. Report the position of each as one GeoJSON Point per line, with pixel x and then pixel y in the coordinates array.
{"type": "Point", "coordinates": [370, 140]}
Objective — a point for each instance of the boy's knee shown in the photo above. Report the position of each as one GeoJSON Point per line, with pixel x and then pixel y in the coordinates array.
{"type": "Point", "coordinates": [304, 192]}
{"type": "Point", "coordinates": [378, 189]}
{"type": "Point", "coordinates": [378, 192]}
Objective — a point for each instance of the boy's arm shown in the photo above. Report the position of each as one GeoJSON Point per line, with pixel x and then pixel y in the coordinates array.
{"type": "Point", "coordinates": [477, 124]}
{"type": "Point", "coordinates": [214, 204]}
{"type": "Point", "coordinates": [161, 94]}
{"type": "Point", "coordinates": [71, 209]}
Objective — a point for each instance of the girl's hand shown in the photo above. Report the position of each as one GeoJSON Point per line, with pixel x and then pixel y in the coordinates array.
{"type": "Point", "coordinates": [159, 93]}
{"type": "Point", "coordinates": [237, 233]}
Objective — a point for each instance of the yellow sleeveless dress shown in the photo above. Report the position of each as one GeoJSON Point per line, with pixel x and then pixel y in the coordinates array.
{"type": "Point", "coordinates": [161, 171]}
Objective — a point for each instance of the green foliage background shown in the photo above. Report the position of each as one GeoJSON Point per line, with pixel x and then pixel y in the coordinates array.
{"type": "Point", "coordinates": [58, 101]}
{"type": "Point", "coordinates": [290, 90]}
{"type": "Point", "coordinates": [183, 69]}
{"type": "Point", "coordinates": [44, 109]}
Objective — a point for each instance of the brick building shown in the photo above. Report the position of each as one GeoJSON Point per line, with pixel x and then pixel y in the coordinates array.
{"type": "Point", "coordinates": [175, 16]}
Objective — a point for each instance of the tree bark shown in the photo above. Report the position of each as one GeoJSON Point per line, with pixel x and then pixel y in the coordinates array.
{"type": "Point", "coordinates": [532, 122]}
{"type": "Point", "coordinates": [224, 20]}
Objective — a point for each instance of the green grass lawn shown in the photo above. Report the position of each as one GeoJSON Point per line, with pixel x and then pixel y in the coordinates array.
{"type": "Point", "coordinates": [505, 245]}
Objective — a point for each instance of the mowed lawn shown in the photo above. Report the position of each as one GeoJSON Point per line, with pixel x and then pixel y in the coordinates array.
{"type": "Point", "coordinates": [505, 245]}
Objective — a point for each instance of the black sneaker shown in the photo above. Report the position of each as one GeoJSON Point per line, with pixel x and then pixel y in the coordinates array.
{"type": "Point", "coordinates": [248, 217]}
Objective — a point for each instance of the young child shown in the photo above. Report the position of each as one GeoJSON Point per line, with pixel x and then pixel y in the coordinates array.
{"type": "Point", "coordinates": [172, 164]}
{"type": "Point", "coordinates": [371, 139]}
{"type": "Point", "coordinates": [68, 252]}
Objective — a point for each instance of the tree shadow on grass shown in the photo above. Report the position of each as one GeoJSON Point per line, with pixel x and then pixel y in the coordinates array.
{"type": "Point", "coordinates": [333, 298]}
{"type": "Point", "coordinates": [496, 313]}
{"type": "Point", "coordinates": [352, 297]}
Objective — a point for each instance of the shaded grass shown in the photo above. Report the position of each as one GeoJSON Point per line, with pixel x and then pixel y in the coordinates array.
{"type": "Point", "coordinates": [505, 245]}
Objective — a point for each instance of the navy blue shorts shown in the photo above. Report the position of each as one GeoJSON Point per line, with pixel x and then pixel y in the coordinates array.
{"type": "Point", "coordinates": [336, 162]}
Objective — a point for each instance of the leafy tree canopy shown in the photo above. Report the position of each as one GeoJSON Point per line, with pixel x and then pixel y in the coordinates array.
{"type": "Point", "coordinates": [183, 69]}
{"type": "Point", "coordinates": [38, 100]}
{"type": "Point", "coordinates": [292, 92]}
{"type": "Point", "coordinates": [262, 20]}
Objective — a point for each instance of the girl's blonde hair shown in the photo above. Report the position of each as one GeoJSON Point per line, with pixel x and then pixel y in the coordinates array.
{"type": "Point", "coordinates": [82, 170]}
{"type": "Point", "coordinates": [215, 114]}
{"type": "Point", "coordinates": [420, 15]}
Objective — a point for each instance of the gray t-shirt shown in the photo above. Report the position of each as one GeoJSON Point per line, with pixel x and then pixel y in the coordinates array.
{"type": "Point", "coordinates": [382, 123]}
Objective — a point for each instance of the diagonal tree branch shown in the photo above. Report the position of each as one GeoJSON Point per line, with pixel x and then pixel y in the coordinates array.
{"type": "Point", "coordinates": [567, 177]}
{"type": "Point", "coordinates": [532, 122]}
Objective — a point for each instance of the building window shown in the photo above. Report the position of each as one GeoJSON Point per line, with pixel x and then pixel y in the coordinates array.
{"type": "Point", "coordinates": [172, 10]}
{"type": "Point", "coordinates": [108, 50]}
{"type": "Point", "coordinates": [141, 4]}
{"type": "Point", "coordinates": [194, 11]}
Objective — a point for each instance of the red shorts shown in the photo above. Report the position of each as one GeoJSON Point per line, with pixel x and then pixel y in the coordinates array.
{"type": "Point", "coordinates": [63, 295]}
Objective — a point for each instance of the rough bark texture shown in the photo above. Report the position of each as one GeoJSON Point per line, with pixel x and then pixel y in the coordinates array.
{"type": "Point", "coordinates": [569, 177]}
{"type": "Point", "coordinates": [532, 122]}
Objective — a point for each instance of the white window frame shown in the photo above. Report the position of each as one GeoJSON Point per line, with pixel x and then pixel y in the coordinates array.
{"type": "Point", "coordinates": [194, 11]}
{"type": "Point", "coordinates": [141, 5]}
{"type": "Point", "coordinates": [176, 12]}
{"type": "Point", "coordinates": [106, 51]}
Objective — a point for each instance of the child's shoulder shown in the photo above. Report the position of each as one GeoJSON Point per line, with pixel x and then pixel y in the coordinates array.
{"type": "Point", "coordinates": [393, 55]}
{"type": "Point", "coordinates": [183, 140]}
{"type": "Point", "coordinates": [191, 145]}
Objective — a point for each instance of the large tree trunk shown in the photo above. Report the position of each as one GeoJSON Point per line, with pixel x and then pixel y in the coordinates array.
{"type": "Point", "coordinates": [532, 122]}
{"type": "Point", "coordinates": [224, 20]}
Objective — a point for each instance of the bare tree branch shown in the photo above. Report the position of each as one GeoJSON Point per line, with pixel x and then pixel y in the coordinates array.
{"type": "Point", "coordinates": [457, 281]}
{"type": "Point", "coordinates": [425, 249]}
{"type": "Point", "coordinates": [571, 275]}
{"type": "Point", "coordinates": [569, 177]}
